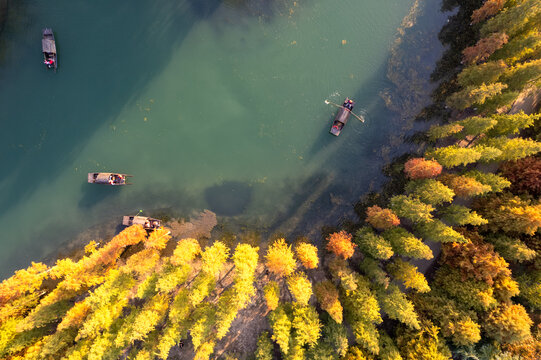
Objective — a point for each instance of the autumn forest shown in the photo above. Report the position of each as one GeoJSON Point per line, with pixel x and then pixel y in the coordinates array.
{"type": "Point", "coordinates": [469, 200]}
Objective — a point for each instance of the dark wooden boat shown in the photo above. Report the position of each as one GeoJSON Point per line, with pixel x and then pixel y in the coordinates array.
{"type": "Point", "coordinates": [48, 46]}
{"type": "Point", "coordinates": [108, 178]}
{"type": "Point", "coordinates": [342, 116]}
{"type": "Point", "coordinates": [147, 222]}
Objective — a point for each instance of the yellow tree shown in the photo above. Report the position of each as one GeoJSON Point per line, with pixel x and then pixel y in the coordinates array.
{"type": "Point", "coordinates": [186, 251]}
{"type": "Point", "coordinates": [214, 258]}
{"type": "Point", "coordinates": [279, 259]}
{"type": "Point", "coordinates": [272, 295]}
{"type": "Point", "coordinates": [307, 254]}
{"type": "Point", "coordinates": [408, 274]}
{"type": "Point", "coordinates": [300, 287]}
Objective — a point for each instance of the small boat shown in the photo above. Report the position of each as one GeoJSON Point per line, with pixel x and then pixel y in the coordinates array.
{"type": "Point", "coordinates": [108, 178]}
{"type": "Point", "coordinates": [48, 46]}
{"type": "Point", "coordinates": [147, 222]}
{"type": "Point", "coordinates": [341, 118]}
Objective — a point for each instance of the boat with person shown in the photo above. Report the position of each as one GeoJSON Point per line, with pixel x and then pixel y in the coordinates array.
{"type": "Point", "coordinates": [148, 223]}
{"type": "Point", "coordinates": [48, 46]}
{"type": "Point", "coordinates": [108, 178]}
{"type": "Point", "coordinates": [342, 116]}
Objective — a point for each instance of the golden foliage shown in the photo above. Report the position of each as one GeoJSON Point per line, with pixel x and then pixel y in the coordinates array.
{"type": "Point", "coordinates": [272, 295]}
{"type": "Point", "coordinates": [25, 280]}
{"type": "Point", "coordinates": [75, 316]}
{"type": "Point", "coordinates": [307, 254]}
{"type": "Point", "coordinates": [300, 287]}
{"type": "Point", "coordinates": [158, 239]}
{"type": "Point", "coordinates": [214, 258]}
{"type": "Point", "coordinates": [279, 259]}
{"type": "Point", "coordinates": [340, 244]}
{"type": "Point", "coordinates": [186, 251]}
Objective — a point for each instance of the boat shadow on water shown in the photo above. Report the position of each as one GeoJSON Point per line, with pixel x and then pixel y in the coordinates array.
{"type": "Point", "coordinates": [94, 194]}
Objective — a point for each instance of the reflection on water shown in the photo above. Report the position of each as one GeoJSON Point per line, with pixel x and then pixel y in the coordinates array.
{"type": "Point", "coordinates": [207, 105]}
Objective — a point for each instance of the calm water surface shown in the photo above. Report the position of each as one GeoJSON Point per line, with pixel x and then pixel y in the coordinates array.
{"type": "Point", "coordinates": [210, 105]}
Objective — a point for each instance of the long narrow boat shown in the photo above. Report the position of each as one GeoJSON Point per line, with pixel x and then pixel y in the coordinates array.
{"type": "Point", "coordinates": [48, 46]}
{"type": "Point", "coordinates": [108, 178]}
{"type": "Point", "coordinates": [341, 118]}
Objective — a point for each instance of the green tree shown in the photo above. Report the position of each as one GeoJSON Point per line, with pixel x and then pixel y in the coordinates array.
{"type": "Point", "coordinates": [523, 74]}
{"type": "Point", "coordinates": [509, 124]}
{"type": "Point", "coordinates": [387, 347]}
{"type": "Point", "coordinates": [470, 293]}
{"type": "Point", "coordinates": [511, 249]}
{"type": "Point", "coordinates": [461, 215]}
{"type": "Point", "coordinates": [370, 267]}
{"type": "Point", "coordinates": [406, 244]}
{"type": "Point", "coordinates": [486, 73]}
{"type": "Point", "coordinates": [264, 347]}
{"type": "Point", "coordinates": [411, 208]}
{"type": "Point", "coordinates": [477, 125]}
{"type": "Point", "coordinates": [335, 336]}
{"type": "Point", "coordinates": [430, 191]}
{"type": "Point", "coordinates": [508, 324]}
{"type": "Point", "coordinates": [423, 344]}
{"type": "Point", "coordinates": [395, 304]}
{"type": "Point", "coordinates": [488, 153]}
{"type": "Point", "coordinates": [442, 131]}
{"type": "Point", "coordinates": [457, 324]}
{"type": "Point", "coordinates": [510, 214]}
{"type": "Point", "coordinates": [515, 148]}
{"type": "Point", "coordinates": [437, 231]}
{"type": "Point", "coordinates": [530, 288]}
{"type": "Point", "coordinates": [280, 322]}
{"type": "Point", "coordinates": [204, 319]}
{"type": "Point", "coordinates": [496, 182]}
{"type": "Point", "coordinates": [372, 244]}
{"type": "Point", "coordinates": [471, 95]}
{"type": "Point", "coordinates": [519, 48]}
{"type": "Point", "coordinates": [408, 275]}
{"type": "Point", "coordinates": [454, 155]}
{"type": "Point", "coordinates": [514, 20]}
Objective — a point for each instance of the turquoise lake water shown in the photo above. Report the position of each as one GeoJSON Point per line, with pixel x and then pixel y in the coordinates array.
{"type": "Point", "coordinates": [208, 104]}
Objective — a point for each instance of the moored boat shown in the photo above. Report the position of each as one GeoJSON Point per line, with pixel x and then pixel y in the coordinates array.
{"type": "Point", "coordinates": [108, 178]}
{"type": "Point", "coordinates": [342, 116]}
{"type": "Point", "coordinates": [48, 46]}
{"type": "Point", "coordinates": [148, 223]}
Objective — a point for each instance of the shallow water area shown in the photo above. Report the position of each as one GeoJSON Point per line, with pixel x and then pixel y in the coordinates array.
{"type": "Point", "coordinates": [208, 104]}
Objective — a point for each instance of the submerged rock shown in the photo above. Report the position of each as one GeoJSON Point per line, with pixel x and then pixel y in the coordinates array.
{"type": "Point", "coordinates": [229, 198]}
